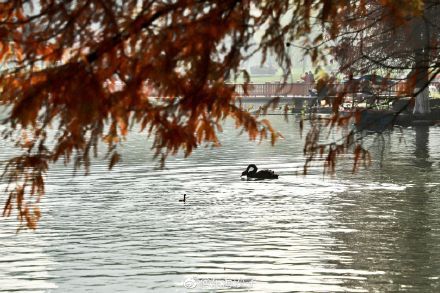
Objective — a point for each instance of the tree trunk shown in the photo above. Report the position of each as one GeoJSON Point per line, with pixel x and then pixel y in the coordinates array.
{"type": "Point", "coordinates": [421, 105]}
{"type": "Point", "coordinates": [420, 74]}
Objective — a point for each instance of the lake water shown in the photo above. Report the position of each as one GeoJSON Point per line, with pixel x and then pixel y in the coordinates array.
{"type": "Point", "coordinates": [125, 230]}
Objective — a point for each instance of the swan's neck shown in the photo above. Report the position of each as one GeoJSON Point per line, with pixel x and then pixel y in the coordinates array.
{"type": "Point", "coordinates": [252, 169]}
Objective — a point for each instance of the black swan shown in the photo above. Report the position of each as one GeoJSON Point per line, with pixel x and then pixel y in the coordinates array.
{"type": "Point", "coordinates": [184, 198]}
{"type": "Point", "coordinates": [251, 172]}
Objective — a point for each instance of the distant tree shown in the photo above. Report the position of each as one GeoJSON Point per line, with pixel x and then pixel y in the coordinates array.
{"type": "Point", "coordinates": [400, 41]}
{"type": "Point", "coordinates": [404, 45]}
{"type": "Point", "coordinates": [91, 69]}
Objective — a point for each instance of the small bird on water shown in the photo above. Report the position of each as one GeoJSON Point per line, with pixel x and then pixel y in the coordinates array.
{"type": "Point", "coordinates": [184, 198]}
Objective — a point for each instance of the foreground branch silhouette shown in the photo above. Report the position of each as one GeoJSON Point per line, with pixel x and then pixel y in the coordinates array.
{"type": "Point", "coordinates": [91, 69]}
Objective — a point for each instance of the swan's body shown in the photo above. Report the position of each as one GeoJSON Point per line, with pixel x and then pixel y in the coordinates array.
{"type": "Point", "coordinates": [184, 198]}
{"type": "Point", "coordinates": [251, 172]}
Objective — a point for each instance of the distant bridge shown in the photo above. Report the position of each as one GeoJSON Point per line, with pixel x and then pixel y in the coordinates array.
{"type": "Point", "coordinates": [301, 89]}
{"type": "Point", "coordinates": [274, 89]}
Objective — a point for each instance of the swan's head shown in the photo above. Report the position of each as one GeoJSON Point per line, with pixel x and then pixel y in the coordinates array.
{"type": "Point", "coordinates": [244, 173]}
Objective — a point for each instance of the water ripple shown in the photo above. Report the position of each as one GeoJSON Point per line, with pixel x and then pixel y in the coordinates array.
{"type": "Point", "coordinates": [125, 231]}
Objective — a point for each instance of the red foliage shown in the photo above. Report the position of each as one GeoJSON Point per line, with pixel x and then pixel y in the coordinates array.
{"type": "Point", "coordinates": [91, 69]}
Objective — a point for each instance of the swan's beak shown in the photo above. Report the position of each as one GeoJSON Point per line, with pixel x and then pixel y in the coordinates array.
{"type": "Point", "coordinates": [244, 173]}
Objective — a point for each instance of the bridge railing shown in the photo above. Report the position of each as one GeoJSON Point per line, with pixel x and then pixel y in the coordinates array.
{"type": "Point", "coordinates": [274, 89]}
{"type": "Point", "coordinates": [302, 89]}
